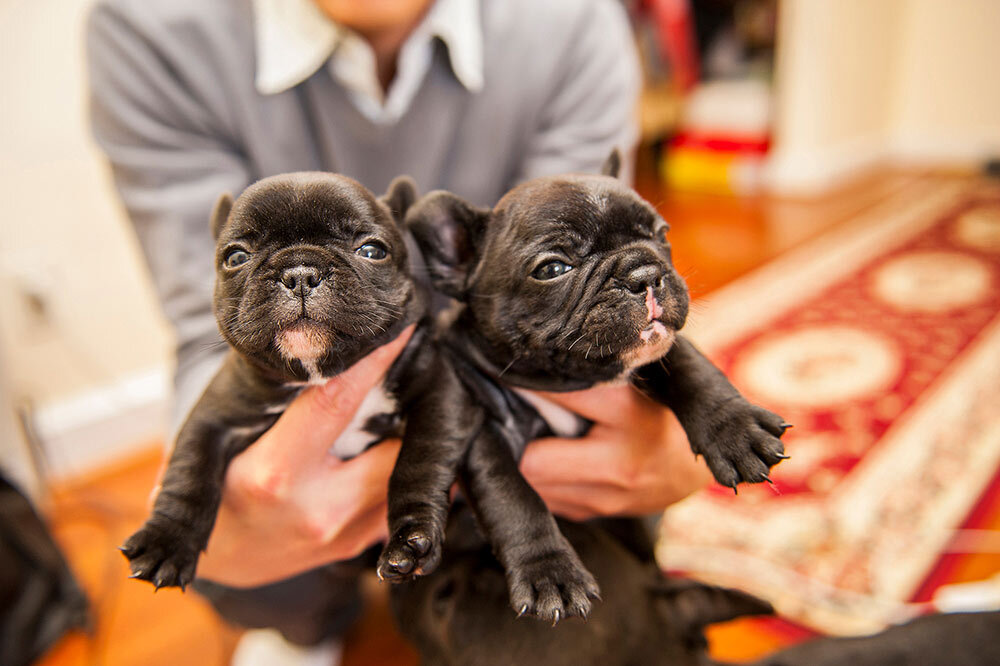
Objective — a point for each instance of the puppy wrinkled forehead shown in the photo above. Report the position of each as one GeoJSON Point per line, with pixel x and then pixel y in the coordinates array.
{"type": "Point", "coordinates": [307, 203]}
{"type": "Point", "coordinates": [588, 206]}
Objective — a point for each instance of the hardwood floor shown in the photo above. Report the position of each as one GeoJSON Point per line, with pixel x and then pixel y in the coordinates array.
{"type": "Point", "coordinates": [716, 239]}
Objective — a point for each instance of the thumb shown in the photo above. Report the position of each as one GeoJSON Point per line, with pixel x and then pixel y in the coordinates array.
{"type": "Point", "coordinates": [318, 416]}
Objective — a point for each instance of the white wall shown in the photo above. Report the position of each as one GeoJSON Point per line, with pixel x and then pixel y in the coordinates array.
{"type": "Point", "coordinates": [64, 242]}
{"type": "Point", "coordinates": [859, 82]}
{"type": "Point", "coordinates": [947, 105]}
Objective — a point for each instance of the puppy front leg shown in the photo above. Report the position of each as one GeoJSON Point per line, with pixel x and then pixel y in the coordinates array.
{"type": "Point", "coordinates": [439, 426]}
{"type": "Point", "coordinates": [740, 441]}
{"type": "Point", "coordinates": [166, 548]}
{"type": "Point", "coordinates": [545, 576]}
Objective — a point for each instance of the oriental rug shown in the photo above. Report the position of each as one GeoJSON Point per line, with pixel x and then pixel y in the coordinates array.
{"type": "Point", "coordinates": [880, 342]}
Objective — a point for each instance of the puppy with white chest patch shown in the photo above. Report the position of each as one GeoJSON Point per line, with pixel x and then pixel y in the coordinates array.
{"type": "Point", "coordinates": [311, 276]}
{"type": "Point", "coordinates": [566, 284]}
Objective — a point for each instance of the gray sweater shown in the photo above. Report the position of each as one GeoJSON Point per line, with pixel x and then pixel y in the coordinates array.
{"type": "Point", "coordinates": [173, 105]}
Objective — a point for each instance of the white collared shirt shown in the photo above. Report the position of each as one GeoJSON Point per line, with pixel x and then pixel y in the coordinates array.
{"type": "Point", "coordinates": [294, 38]}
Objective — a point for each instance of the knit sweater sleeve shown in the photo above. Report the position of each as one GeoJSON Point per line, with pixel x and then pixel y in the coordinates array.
{"type": "Point", "coordinates": [170, 158]}
{"type": "Point", "coordinates": [591, 107]}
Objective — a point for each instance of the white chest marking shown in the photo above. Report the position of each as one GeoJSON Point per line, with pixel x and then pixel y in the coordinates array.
{"type": "Point", "coordinates": [562, 422]}
{"type": "Point", "coordinates": [355, 439]}
{"type": "Point", "coordinates": [315, 376]}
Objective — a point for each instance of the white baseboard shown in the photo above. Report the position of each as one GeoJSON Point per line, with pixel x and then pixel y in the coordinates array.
{"type": "Point", "coordinates": [807, 173]}
{"type": "Point", "coordinates": [89, 430]}
{"type": "Point", "coordinates": [944, 150]}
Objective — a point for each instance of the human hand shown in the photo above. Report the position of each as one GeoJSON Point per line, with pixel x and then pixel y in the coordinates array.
{"type": "Point", "coordinates": [635, 459]}
{"type": "Point", "coordinates": [288, 505]}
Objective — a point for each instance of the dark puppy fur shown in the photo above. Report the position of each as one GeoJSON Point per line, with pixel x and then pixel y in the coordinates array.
{"type": "Point", "coordinates": [311, 275]}
{"type": "Point", "coordinates": [458, 616]}
{"type": "Point", "coordinates": [565, 284]}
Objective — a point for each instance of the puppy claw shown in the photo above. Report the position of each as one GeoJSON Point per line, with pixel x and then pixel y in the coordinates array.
{"type": "Point", "coordinates": [740, 442]}
{"type": "Point", "coordinates": [553, 585]}
{"type": "Point", "coordinates": [786, 426]}
{"type": "Point", "coordinates": [157, 555]}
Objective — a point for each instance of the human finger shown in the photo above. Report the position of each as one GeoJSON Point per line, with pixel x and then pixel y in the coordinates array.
{"type": "Point", "coordinates": [610, 404]}
{"type": "Point", "coordinates": [320, 414]}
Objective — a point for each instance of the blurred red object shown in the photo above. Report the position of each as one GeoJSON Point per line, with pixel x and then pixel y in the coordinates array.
{"type": "Point", "coordinates": [675, 30]}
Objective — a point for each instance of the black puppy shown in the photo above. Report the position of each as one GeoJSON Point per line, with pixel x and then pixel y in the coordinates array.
{"type": "Point", "coordinates": [458, 616]}
{"type": "Point", "coordinates": [565, 284]}
{"type": "Point", "coordinates": [311, 275]}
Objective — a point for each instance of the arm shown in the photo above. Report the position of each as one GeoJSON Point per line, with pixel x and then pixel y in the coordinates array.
{"type": "Point", "coordinates": [593, 106]}
{"type": "Point", "coordinates": [171, 155]}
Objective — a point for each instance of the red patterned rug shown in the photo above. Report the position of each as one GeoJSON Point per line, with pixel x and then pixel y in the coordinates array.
{"type": "Point", "coordinates": [881, 344]}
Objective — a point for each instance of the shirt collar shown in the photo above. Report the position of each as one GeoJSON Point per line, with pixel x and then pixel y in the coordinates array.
{"type": "Point", "coordinates": [294, 38]}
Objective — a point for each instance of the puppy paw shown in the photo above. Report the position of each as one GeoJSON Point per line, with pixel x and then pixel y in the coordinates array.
{"type": "Point", "coordinates": [742, 443]}
{"type": "Point", "coordinates": [159, 555]}
{"type": "Point", "coordinates": [552, 586]}
{"type": "Point", "coordinates": [414, 550]}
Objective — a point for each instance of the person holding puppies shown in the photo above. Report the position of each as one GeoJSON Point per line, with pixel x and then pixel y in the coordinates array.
{"type": "Point", "coordinates": [192, 99]}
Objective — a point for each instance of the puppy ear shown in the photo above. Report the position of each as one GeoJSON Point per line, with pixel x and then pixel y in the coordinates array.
{"type": "Point", "coordinates": [613, 165]}
{"type": "Point", "coordinates": [448, 230]}
{"type": "Point", "coordinates": [692, 606]}
{"type": "Point", "coordinates": [220, 213]}
{"type": "Point", "coordinates": [399, 197]}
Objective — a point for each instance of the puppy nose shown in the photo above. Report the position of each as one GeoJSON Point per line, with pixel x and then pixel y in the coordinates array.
{"type": "Point", "coordinates": [650, 275]}
{"type": "Point", "coordinates": [301, 280]}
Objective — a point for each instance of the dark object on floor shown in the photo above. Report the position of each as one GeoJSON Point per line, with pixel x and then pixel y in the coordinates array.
{"type": "Point", "coordinates": [459, 616]}
{"type": "Point", "coordinates": [39, 598]}
{"type": "Point", "coordinates": [992, 167]}
{"type": "Point", "coordinates": [955, 639]}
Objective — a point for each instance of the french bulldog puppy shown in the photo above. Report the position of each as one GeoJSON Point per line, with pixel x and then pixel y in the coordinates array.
{"type": "Point", "coordinates": [458, 616]}
{"type": "Point", "coordinates": [311, 275]}
{"type": "Point", "coordinates": [567, 283]}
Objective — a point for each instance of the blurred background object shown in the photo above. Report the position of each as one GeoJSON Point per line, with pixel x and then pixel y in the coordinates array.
{"type": "Point", "coordinates": [39, 598]}
{"type": "Point", "coordinates": [768, 125]}
{"type": "Point", "coordinates": [814, 92]}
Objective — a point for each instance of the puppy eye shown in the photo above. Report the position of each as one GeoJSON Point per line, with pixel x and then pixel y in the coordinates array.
{"type": "Point", "coordinates": [550, 270]}
{"type": "Point", "coordinates": [372, 251]}
{"type": "Point", "coordinates": [236, 257]}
